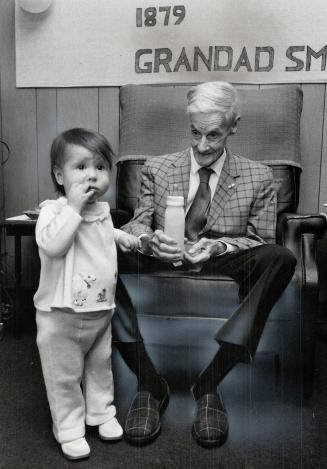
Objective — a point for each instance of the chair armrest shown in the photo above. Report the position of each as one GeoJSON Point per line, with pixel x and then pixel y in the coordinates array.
{"type": "Point", "coordinates": [309, 261]}
{"type": "Point", "coordinates": [300, 233]}
{"type": "Point", "coordinates": [291, 227]}
{"type": "Point", "coordinates": [119, 217]}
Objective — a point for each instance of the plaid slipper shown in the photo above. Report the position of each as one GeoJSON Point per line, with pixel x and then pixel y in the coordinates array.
{"type": "Point", "coordinates": [210, 427]}
{"type": "Point", "coordinates": [143, 418]}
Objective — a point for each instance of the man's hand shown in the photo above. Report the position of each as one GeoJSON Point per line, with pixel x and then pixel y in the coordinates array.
{"type": "Point", "coordinates": [203, 250]}
{"type": "Point", "coordinates": [128, 242]}
{"type": "Point", "coordinates": [144, 246]}
{"type": "Point", "coordinates": [164, 248]}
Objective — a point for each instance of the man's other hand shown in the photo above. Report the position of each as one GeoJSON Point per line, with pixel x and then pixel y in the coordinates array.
{"type": "Point", "coordinates": [145, 245]}
{"type": "Point", "coordinates": [203, 250]}
{"type": "Point", "coordinates": [164, 248]}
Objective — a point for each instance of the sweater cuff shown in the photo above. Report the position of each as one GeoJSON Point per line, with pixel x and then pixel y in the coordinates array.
{"type": "Point", "coordinates": [72, 214]}
{"type": "Point", "coordinates": [117, 234]}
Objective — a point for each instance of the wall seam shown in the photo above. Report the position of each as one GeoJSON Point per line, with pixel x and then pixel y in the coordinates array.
{"type": "Point", "coordinates": [56, 111]}
{"type": "Point", "coordinates": [3, 247]}
{"type": "Point", "coordinates": [98, 109]}
{"type": "Point", "coordinates": [37, 146]}
{"type": "Point", "coordinates": [3, 194]}
{"type": "Point", "coordinates": [322, 147]}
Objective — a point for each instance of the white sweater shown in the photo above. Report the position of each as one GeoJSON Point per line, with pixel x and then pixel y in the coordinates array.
{"type": "Point", "coordinates": [78, 257]}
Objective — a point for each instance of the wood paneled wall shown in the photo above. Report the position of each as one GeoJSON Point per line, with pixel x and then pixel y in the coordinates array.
{"type": "Point", "coordinates": [31, 118]}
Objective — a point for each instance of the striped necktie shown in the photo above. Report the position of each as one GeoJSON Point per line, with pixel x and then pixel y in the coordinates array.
{"type": "Point", "coordinates": [196, 217]}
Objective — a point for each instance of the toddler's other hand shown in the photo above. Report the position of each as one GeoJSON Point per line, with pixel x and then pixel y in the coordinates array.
{"type": "Point", "coordinates": [128, 242]}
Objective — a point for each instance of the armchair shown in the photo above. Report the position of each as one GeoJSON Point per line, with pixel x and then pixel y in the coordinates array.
{"type": "Point", "coordinates": [153, 122]}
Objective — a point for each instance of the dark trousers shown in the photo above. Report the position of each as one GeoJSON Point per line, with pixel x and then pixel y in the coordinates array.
{"type": "Point", "coordinates": [262, 274]}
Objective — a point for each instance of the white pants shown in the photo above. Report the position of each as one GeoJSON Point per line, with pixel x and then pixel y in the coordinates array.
{"type": "Point", "coordinates": [75, 348]}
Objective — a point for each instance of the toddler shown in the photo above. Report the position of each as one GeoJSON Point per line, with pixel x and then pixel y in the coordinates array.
{"type": "Point", "coordinates": [75, 298]}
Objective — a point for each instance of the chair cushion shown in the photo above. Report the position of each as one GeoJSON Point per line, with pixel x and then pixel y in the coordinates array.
{"type": "Point", "coordinates": [172, 294]}
{"type": "Point", "coordinates": [286, 177]}
{"type": "Point", "coordinates": [154, 122]}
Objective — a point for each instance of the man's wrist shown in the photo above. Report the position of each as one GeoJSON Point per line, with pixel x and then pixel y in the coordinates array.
{"type": "Point", "coordinates": [220, 248]}
{"type": "Point", "coordinates": [228, 248]}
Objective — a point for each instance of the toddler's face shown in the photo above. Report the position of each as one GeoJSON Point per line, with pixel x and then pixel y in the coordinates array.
{"type": "Point", "coordinates": [83, 167]}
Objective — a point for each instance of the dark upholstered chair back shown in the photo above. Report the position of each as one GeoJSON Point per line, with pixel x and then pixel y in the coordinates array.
{"type": "Point", "coordinates": [129, 182]}
{"type": "Point", "coordinates": [154, 122]}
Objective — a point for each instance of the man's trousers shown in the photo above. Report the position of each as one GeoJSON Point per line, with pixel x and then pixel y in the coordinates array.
{"type": "Point", "coordinates": [262, 273]}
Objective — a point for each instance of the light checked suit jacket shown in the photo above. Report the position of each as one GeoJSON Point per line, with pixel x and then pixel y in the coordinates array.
{"type": "Point", "coordinates": [243, 208]}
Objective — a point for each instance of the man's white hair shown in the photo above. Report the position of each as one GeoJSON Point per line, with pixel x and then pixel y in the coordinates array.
{"type": "Point", "coordinates": [214, 96]}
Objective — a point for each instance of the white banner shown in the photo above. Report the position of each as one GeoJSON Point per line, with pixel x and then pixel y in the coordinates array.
{"type": "Point", "coordinates": [113, 42]}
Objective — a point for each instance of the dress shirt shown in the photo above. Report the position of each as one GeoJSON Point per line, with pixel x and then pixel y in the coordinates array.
{"type": "Point", "coordinates": [216, 167]}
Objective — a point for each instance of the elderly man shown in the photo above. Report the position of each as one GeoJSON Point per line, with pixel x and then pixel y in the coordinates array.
{"type": "Point", "coordinates": [230, 223]}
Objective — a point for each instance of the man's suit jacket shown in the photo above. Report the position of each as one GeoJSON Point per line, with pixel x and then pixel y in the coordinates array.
{"type": "Point", "coordinates": [243, 208]}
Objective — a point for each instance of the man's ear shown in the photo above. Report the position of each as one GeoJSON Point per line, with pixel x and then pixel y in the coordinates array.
{"type": "Point", "coordinates": [58, 175]}
{"type": "Point", "coordinates": [233, 127]}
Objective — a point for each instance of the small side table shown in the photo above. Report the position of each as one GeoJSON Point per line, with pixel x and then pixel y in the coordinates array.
{"type": "Point", "coordinates": [18, 227]}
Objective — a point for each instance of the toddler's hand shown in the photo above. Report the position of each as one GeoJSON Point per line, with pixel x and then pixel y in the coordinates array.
{"type": "Point", "coordinates": [128, 242]}
{"type": "Point", "coordinates": [78, 196]}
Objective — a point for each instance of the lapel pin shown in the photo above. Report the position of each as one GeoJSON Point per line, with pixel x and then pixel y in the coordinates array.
{"type": "Point", "coordinates": [231, 185]}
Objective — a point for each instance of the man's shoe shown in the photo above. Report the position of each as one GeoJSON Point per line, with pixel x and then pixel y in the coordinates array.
{"type": "Point", "coordinates": [210, 427]}
{"type": "Point", "coordinates": [111, 430]}
{"type": "Point", "coordinates": [76, 449]}
{"type": "Point", "coordinates": [143, 418]}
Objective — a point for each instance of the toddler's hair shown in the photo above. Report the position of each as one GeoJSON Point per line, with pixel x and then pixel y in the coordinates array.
{"type": "Point", "coordinates": [92, 141]}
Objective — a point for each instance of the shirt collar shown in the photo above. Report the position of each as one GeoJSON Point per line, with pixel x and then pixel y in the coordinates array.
{"type": "Point", "coordinates": [216, 166]}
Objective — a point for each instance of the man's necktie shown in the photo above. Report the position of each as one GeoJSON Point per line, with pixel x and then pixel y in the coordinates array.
{"type": "Point", "coordinates": [196, 217]}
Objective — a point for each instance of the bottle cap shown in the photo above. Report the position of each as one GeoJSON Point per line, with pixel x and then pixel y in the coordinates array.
{"type": "Point", "coordinates": [175, 200]}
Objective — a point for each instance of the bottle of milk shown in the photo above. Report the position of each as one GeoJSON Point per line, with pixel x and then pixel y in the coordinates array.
{"type": "Point", "coordinates": [175, 219]}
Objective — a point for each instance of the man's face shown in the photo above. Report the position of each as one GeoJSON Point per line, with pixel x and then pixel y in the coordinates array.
{"type": "Point", "coordinates": [209, 134]}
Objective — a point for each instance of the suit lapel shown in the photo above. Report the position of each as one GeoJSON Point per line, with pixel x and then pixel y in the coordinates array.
{"type": "Point", "coordinates": [179, 180]}
{"type": "Point", "coordinates": [225, 188]}
{"type": "Point", "coordinates": [179, 175]}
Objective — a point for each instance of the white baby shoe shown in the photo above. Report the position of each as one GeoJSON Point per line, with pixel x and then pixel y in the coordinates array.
{"type": "Point", "coordinates": [111, 430]}
{"type": "Point", "coordinates": [76, 449]}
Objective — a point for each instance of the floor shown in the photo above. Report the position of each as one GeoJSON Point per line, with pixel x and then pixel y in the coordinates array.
{"type": "Point", "coordinates": [267, 431]}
